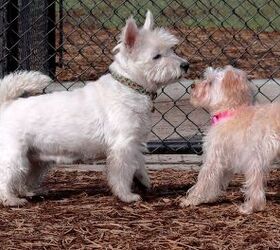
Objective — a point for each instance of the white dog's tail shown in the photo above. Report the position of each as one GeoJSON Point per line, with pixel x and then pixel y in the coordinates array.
{"type": "Point", "coordinates": [22, 83]}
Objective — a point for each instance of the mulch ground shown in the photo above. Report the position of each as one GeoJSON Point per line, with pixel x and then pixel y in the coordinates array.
{"type": "Point", "coordinates": [80, 213]}
{"type": "Point", "coordinates": [88, 51]}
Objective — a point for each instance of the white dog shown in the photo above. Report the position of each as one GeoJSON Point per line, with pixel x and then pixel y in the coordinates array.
{"type": "Point", "coordinates": [108, 117]}
{"type": "Point", "coordinates": [244, 137]}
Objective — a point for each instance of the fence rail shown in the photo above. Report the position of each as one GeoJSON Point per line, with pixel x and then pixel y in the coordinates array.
{"type": "Point", "coordinates": [72, 41]}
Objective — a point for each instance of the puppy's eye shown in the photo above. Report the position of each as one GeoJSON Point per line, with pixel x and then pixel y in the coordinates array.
{"type": "Point", "coordinates": [157, 56]}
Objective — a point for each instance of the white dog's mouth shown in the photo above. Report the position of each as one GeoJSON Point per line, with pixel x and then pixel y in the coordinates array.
{"type": "Point", "coordinates": [181, 76]}
{"type": "Point", "coordinates": [184, 75]}
{"type": "Point", "coordinates": [178, 77]}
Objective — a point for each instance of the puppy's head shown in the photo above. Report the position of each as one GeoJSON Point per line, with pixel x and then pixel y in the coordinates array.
{"type": "Point", "coordinates": [222, 88]}
{"type": "Point", "coordinates": [146, 55]}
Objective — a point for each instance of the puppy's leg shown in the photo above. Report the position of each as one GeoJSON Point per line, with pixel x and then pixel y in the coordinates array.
{"type": "Point", "coordinates": [208, 187]}
{"type": "Point", "coordinates": [227, 177]}
{"type": "Point", "coordinates": [254, 189]}
{"type": "Point", "coordinates": [121, 166]}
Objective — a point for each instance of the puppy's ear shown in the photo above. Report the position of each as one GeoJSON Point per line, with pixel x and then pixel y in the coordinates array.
{"type": "Point", "coordinates": [233, 81]}
{"type": "Point", "coordinates": [130, 33]}
{"type": "Point", "coordinates": [230, 81]}
{"type": "Point", "coordinates": [149, 22]}
{"type": "Point", "coordinates": [236, 85]}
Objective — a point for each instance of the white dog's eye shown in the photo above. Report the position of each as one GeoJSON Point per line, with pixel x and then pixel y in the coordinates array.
{"type": "Point", "coordinates": [157, 56]}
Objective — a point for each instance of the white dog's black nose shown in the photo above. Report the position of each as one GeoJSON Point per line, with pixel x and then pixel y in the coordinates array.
{"type": "Point", "coordinates": [184, 66]}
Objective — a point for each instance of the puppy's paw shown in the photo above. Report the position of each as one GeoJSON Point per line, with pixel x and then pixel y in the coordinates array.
{"type": "Point", "coordinates": [247, 208]}
{"type": "Point", "coordinates": [14, 202]}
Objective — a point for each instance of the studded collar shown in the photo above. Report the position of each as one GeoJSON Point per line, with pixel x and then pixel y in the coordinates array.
{"type": "Point", "coordinates": [133, 85]}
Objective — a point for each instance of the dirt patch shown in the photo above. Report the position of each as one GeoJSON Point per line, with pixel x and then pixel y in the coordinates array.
{"type": "Point", "coordinates": [87, 51]}
{"type": "Point", "coordinates": [80, 213]}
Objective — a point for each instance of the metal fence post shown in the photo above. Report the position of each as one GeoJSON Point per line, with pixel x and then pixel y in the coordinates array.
{"type": "Point", "coordinates": [3, 38]}
{"type": "Point", "coordinates": [27, 38]}
{"type": "Point", "coordinates": [12, 37]}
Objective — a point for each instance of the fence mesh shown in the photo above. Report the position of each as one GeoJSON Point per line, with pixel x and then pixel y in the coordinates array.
{"type": "Point", "coordinates": [72, 40]}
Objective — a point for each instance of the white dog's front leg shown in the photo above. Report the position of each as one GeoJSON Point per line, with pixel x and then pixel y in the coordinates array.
{"type": "Point", "coordinates": [141, 173]}
{"type": "Point", "coordinates": [121, 166]}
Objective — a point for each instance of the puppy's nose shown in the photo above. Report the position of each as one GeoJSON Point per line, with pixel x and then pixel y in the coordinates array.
{"type": "Point", "coordinates": [192, 86]}
{"type": "Point", "coordinates": [184, 66]}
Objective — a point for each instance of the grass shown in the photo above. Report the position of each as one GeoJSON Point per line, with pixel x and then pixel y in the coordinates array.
{"type": "Point", "coordinates": [238, 14]}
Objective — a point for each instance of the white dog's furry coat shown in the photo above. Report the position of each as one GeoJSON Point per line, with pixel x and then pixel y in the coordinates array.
{"type": "Point", "coordinates": [103, 118]}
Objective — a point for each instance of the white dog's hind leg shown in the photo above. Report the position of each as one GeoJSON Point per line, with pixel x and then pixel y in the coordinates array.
{"type": "Point", "coordinates": [38, 170]}
{"type": "Point", "coordinates": [121, 167]}
{"type": "Point", "coordinates": [13, 170]}
{"type": "Point", "coordinates": [254, 189]}
{"type": "Point", "coordinates": [208, 187]}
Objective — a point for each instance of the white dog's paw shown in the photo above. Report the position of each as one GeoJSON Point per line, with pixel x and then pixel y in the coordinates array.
{"type": "Point", "coordinates": [186, 202]}
{"type": "Point", "coordinates": [14, 202]}
{"type": "Point", "coordinates": [37, 192]}
{"type": "Point", "coordinates": [130, 198]}
{"type": "Point", "coordinates": [29, 194]}
{"type": "Point", "coordinates": [40, 191]}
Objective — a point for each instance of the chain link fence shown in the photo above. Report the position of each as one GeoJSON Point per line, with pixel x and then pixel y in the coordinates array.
{"type": "Point", "coordinates": [72, 41]}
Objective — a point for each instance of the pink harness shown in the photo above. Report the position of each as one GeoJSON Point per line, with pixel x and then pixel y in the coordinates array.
{"type": "Point", "coordinates": [221, 116]}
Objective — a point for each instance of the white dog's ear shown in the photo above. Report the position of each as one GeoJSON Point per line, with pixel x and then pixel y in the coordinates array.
{"type": "Point", "coordinates": [149, 22]}
{"type": "Point", "coordinates": [130, 33]}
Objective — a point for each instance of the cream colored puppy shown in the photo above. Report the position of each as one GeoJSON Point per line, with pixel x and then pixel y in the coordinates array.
{"type": "Point", "coordinates": [243, 138]}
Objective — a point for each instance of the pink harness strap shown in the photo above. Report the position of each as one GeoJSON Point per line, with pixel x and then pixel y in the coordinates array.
{"type": "Point", "coordinates": [221, 116]}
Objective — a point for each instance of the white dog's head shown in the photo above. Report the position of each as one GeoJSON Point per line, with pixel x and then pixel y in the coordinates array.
{"type": "Point", "coordinates": [222, 89]}
{"type": "Point", "coordinates": [146, 55]}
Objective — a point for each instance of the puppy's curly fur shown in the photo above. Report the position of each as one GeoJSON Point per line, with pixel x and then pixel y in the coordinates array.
{"type": "Point", "coordinates": [245, 141]}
